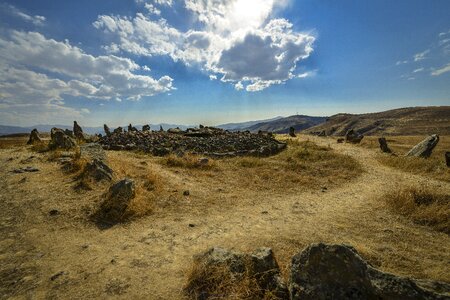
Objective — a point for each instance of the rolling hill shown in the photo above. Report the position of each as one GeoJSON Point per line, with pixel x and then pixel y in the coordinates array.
{"type": "Point", "coordinates": [299, 122]}
{"type": "Point", "coordinates": [402, 121]}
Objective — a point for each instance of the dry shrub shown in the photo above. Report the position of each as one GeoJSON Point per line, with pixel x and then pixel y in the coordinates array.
{"type": "Point", "coordinates": [219, 282]}
{"type": "Point", "coordinates": [433, 166]}
{"type": "Point", "coordinates": [188, 161]}
{"type": "Point", "coordinates": [423, 206]}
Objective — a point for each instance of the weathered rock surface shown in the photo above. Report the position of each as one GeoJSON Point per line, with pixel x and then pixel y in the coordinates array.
{"type": "Point", "coordinates": [77, 131]}
{"type": "Point", "coordinates": [337, 272]}
{"type": "Point", "coordinates": [259, 265]}
{"type": "Point", "coordinates": [353, 137]}
{"type": "Point", "coordinates": [425, 147]}
{"type": "Point", "coordinates": [292, 131]}
{"type": "Point", "coordinates": [107, 130]}
{"type": "Point", "coordinates": [61, 140]}
{"type": "Point", "coordinates": [92, 151]}
{"type": "Point", "coordinates": [383, 145]}
{"type": "Point", "coordinates": [207, 141]}
{"type": "Point", "coordinates": [98, 170]}
{"type": "Point", "coordinates": [34, 137]}
{"type": "Point", "coordinates": [116, 202]}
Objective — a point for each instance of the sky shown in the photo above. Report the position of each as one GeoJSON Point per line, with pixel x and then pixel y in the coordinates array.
{"type": "Point", "coordinates": [218, 61]}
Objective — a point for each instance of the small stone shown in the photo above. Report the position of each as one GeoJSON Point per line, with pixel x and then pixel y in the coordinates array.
{"type": "Point", "coordinates": [53, 212]}
{"type": "Point", "coordinates": [55, 276]}
{"type": "Point", "coordinates": [186, 193]}
{"type": "Point", "coordinates": [191, 225]}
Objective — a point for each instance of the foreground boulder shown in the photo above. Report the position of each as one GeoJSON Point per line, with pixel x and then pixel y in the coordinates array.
{"type": "Point", "coordinates": [353, 137]}
{"type": "Point", "coordinates": [337, 272]}
{"type": "Point", "coordinates": [98, 171]}
{"type": "Point", "coordinates": [425, 147]}
{"type": "Point", "coordinates": [222, 272]}
{"type": "Point", "coordinates": [77, 131]}
{"type": "Point", "coordinates": [383, 145]}
{"type": "Point", "coordinates": [114, 208]}
{"type": "Point", "coordinates": [34, 137]}
{"type": "Point", "coordinates": [59, 139]}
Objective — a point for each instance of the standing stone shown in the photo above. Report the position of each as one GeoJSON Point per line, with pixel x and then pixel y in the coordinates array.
{"type": "Point", "coordinates": [383, 145]}
{"type": "Point", "coordinates": [353, 137]}
{"type": "Point", "coordinates": [118, 130]}
{"type": "Point", "coordinates": [106, 129]}
{"type": "Point", "coordinates": [77, 131]}
{"type": "Point", "coordinates": [160, 128]}
{"type": "Point", "coordinates": [34, 137]}
{"type": "Point", "coordinates": [146, 128]}
{"type": "Point", "coordinates": [292, 131]}
{"type": "Point", "coordinates": [60, 139]}
{"type": "Point", "coordinates": [425, 147]}
{"type": "Point", "coordinates": [447, 158]}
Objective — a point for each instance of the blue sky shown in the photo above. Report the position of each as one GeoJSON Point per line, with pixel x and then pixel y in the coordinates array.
{"type": "Point", "coordinates": [218, 61]}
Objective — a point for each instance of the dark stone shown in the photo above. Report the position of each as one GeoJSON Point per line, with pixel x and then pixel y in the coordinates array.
{"type": "Point", "coordinates": [77, 131]}
{"type": "Point", "coordinates": [118, 130]}
{"type": "Point", "coordinates": [61, 140]}
{"type": "Point", "coordinates": [353, 137]}
{"type": "Point", "coordinates": [146, 128]}
{"type": "Point", "coordinates": [447, 158]}
{"type": "Point", "coordinates": [34, 137]}
{"type": "Point", "coordinates": [186, 193]}
{"type": "Point", "coordinates": [337, 272]}
{"type": "Point", "coordinates": [340, 140]}
{"type": "Point", "coordinates": [292, 131]}
{"type": "Point", "coordinates": [383, 145]}
{"type": "Point", "coordinates": [106, 129]}
{"type": "Point", "coordinates": [161, 128]}
{"type": "Point", "coordinates": [53, 212]}
{"type": "Point", "coordinates": [98, 170]}
{"type": "Point", "coordinates": [425, 147]}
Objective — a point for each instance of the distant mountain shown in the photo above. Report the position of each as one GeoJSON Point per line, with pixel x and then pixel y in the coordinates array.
{"type": "Point", "coordinates": [240, 126]}
{"type": "Point", "coordinates": [299, 122]}
{"type": "Point", "coordinates": [402, 121]}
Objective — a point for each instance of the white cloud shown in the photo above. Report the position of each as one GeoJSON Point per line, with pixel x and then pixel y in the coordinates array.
{"type": "Point", "coordinates": [239, 86]}
{"type": "Point", "coordinates": [235, 38]}
{"type": "Point", "coordinates": [418, 70]}
{"type": "Point", "coordinates": [28, 58]}
{"type": "Point", "coordinates": [152, 9]}
{"type": "Point", "coordinates": [422, 55]}
{"type": "Point", "coordinates": [212, 77]}
{"type": "Point", "coordinates": [401, 62]}
{"type": "Point", "coordinates": [36, 19]}
{"type": "Point", "coordinates": [441, 71]}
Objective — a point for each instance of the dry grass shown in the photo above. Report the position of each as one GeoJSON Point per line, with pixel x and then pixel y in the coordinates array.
{"type": "Point", "coordinates": [217, 281]}
{"type": "Point", "coordinates": [12, 142]}
{"type": "Point", "coordinates": [303, 164]}
{"type": "Point", "coordinates": [41, 147]}
{"type": "Point", "coordinates": [423, 206]}
{"type": "Point", "coordinates": [434, 166]}
{"type": "Point", "coordinates": [188, 161]}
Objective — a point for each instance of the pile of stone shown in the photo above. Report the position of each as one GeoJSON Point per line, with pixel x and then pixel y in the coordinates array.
{"type": "Point", "coordinates": [320, 271]}
{"type": "Point", "coordinates": [208, 141]}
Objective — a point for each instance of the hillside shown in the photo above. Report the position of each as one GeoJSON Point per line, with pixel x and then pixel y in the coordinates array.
{"type": "Point", "coordinates": [241, 125]}
{"type": "Point", "coordinates": [402, 121]}
{"type": "Point", "coordinates": [299, 122]}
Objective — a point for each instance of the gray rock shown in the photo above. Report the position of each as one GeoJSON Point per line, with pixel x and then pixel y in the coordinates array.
{"type": "Point", "coordinates": [383, 145]}
{"type": "Point", "coordinates": [353, 137]}
{"type": "Point", "coordinates": [92, 151]}
{"type": "Point", "coordinates": [118, 130]}
{"type": "Point", "coordinates": [146, 128]}
{"type": "Point", "coordinates": [26, 169]}
{"type": "Point", "coordinates": [425, 147]}
{"type": "Point", "coordinates": [98, 170]}
{"type": "Point", "coordinates": [337, 272]}
{"type": "Point", "coordinates": [61, 140]}
{"type": "Point", "coordinates": [34, 137]}
{"type": "Point", "coordinates": [116, 202]}
{"type": "Point", "coordinates": [175, 130]}
{"type": "Point", "coordinates": [78, 131]}
{"type": "Point", "coordinates": [107, 130]}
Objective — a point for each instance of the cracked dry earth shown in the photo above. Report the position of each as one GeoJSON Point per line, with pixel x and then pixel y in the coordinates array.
{"type": "Point", "coordinates": [64, 256]}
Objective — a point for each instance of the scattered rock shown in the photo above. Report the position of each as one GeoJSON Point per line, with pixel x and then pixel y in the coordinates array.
{"type": "Point", "coordinates": [77, 131]}
{"type": "Point", "coordinates": [106, 129]}
{"type": "Point", "coordinates": [131, 128]}
{"type": "Point", "coordinates": [337, 272]}
{"type": "Point", "coordinates": [353, 137]}
{"type": "Point", "coordinates": [425, 147]}
{"type": "Point", "coordinates": [175, 130]}
{"type": "Point", "coordinates": [146, 128]}
{"type": "Point", "coordinates": [116, 202]}
{"type": "Point", "coordinates": [161, 128]}
{"type": "Point", "coordinates": [34, 137]}
{"type": "Point", "coordinates": [23, 180]}
{"type": "Point", "coordinates": [203, 161]}
{"type": "Point", "coordinates": [383, 145]}
{"type": "Point", "coordinates": [53, 212]}
{"type": "Point", "coordinates": [191, 225]}
{"type": "Point", "coordinates": [98, 170]}
{"type": "Point", "coordinates": [26, 169]}
{"type": "Point", "coordinates": [57, 275]}
{"type": "Point", "coordinates": [61, 140]}
{"type": "Point", "coordinates": [447, 158]}
{"type": "Point", "coordinates": [340, 140]}
{"type": "Point", "coordinates": [118, 130]}
{"type": "Point", "coordinates": [186, 193]}
{"type": "Point", "coordinates": [292, 131]}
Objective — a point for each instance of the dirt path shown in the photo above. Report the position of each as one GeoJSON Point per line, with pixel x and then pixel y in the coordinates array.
{"type": "Point", "coordinates": [149, 258]}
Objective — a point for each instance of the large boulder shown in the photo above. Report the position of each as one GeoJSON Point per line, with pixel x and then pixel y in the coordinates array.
{"type": "Point", "coordinates": [34, 137]}
{"type": "Point", "coordinates": [425, 147]}
{"type": "Point", "coordinates": [61, 140]}
{"type": "Point", "coordinates": [383, 145]}
{"type": "Point", "coordinates": [337, 272]}
{"type": "Point", "coordinates": [221, 271]}
{"type": "Point", "coordinates": [114, 208]}
{"type": "Point", "coordinates": [77, 131]}
{"type": "Point", "coordinates": [98, 170]}
{"type": "Point", "coordinates": [353, 137]}
{"type": "Point", "coordinates": [91, 151]}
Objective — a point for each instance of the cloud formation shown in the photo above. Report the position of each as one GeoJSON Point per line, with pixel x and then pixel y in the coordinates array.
{"type": "Point", "coordinates": [235, 39]}
{"type": "Point", "coordinates": [36, 19]}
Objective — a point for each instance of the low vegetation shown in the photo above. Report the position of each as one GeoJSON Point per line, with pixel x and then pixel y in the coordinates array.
{"type": "Point", "coordinates": [188, 161]}
{"type": "Point", "coordinates": [423, 206]}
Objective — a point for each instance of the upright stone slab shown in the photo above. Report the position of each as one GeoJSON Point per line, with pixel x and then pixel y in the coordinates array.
{"type": "Point", "coordinates": [425, 147]}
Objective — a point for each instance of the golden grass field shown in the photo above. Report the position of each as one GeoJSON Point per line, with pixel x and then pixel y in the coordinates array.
{"type": "Point", "coordinates": [315, 191]}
